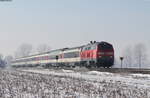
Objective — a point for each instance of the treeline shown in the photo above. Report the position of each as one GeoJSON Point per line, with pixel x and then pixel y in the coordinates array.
{"type": "Point", "coordinates": [134, 56]}
{"type": "Point", "coordinates": [23, 50]}
{"type": "Point", "coordinates": [4, 61]}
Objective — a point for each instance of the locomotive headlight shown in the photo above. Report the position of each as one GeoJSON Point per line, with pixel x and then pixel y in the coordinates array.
{"type": "Point", "coordinates": [110, 53]}
{"type": "Point", "coordinates": [101, 53]}
{"type": "Point", "coordinates": [100, 56]}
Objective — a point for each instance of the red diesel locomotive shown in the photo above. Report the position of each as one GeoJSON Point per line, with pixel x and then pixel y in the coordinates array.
{"type": "Point", "coordinates": [98, 54]}
{"type": "Point", "coordinates": [94, 54]}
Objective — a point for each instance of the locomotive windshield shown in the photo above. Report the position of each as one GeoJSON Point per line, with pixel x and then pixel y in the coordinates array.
{"type": "Point", "coordinates": [105, 46]}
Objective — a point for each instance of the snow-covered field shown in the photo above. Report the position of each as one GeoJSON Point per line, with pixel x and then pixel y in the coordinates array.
{"type": "Point", "coordinates": [44, 83]}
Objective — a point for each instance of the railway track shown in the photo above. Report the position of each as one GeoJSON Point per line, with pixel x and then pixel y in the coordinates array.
{"type": "Point", "coordinates": [112, 70]}
{"type": "Point", "coordinates": [123, 70]}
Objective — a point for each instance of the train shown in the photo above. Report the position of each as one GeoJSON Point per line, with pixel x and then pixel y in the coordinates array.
{"type": "Point", "coordinates": [93, 54]}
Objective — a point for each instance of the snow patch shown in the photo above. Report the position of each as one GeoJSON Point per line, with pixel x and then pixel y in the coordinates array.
{"type": "Point", "coordinates": [141, 75]}
{"type": "Point", "coordinates": [99, 73]}
{"type": "Point", "coordinates": [67, 71]}
{"type": "Point", "coordinates": [43, 83]}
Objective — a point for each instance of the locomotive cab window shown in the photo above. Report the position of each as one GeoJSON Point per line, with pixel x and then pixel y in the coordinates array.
{"type": "Point", "coordinates": [105, 46]}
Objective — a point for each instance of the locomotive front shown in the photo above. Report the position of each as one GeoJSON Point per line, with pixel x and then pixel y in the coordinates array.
{"type": "Point", "coordinates": [105, 54]}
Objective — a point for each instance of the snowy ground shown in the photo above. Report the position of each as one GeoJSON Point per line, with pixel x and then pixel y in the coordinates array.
{"type": "Point", "coordinates": [40, 83]}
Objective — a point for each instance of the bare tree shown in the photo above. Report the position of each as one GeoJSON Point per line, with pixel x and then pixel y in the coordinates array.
{"type": "Point", "coordinates": [8, 60]}
{"type": "Point", "coordinates": [128, 56]}
{"type": "Point", "coordinates": [2, 62]}
{"type": "Point", "coordinates": [43, 48]}
{"type": "Point", "coordinates": [140, 56]}
{"type": "Point", "coordinates": [1, 56]}
{"type": "Point", "coordinates": [23, 50]}
{"type": "Point", "coordinates": [116, 62]}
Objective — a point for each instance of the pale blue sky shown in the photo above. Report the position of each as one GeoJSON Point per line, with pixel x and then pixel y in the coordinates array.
{"type": "Point", "coordinates": [66, 23]}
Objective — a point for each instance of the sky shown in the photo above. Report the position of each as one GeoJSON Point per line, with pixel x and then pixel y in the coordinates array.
{"type": "Point", "coordinates": [68, 23]}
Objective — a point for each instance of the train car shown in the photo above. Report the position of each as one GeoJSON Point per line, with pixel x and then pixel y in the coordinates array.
{"type": "Point", "coordinates": [71, 57]}
{"type": "Point", "coordinates": [95, 54]}
{"type": "Point", "coordinates": [42, 59]}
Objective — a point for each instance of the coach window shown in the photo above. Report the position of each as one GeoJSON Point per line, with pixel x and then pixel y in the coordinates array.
{"type": "Point", "coordinates": [86, 48]}
{"type": "Point", "coordinates": [52, 57]}
{"type": "Point", "coordinates": [40, 58]}
{"type": "Point", "coordinates": [49, 57]}
{"type": "Point", "coordinates": [83, 49]}
{"type": "Point", "coordinates": [76, 54]}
